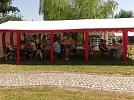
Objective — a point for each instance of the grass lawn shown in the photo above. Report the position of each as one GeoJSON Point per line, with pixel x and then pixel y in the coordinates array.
{"type": "Point", "coordinates": [97, 64]}
{"type": "Point", "coordinates": [58, 94]}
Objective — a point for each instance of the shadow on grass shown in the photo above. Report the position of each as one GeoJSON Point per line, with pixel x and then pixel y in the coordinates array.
{"type": "Point", "coordinates": [94, 59]}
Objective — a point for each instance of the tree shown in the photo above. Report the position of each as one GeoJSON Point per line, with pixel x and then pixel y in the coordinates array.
{"type": "Point", "coordinates": [13, 17]}
{"type": "Point", "coordinates": [77, 9]}
{"type": "Point", "coordinates": [124, 14]}
{"type": "Point", "coordinates": [9, 12]}
{"type": "Point", "coordinates": [6, 7]}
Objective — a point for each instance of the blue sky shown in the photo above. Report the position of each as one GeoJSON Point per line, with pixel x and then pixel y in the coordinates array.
{"type": "Point", "coordinates": [29, 8]}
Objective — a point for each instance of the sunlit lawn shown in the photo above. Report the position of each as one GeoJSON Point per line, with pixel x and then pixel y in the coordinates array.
{"type": "Point", "coordinates": [59, 94]}
{"type": "Point", "coordinates": [97, 64]}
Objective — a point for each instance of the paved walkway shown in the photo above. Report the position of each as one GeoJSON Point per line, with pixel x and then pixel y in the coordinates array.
{"type": "Point", "coordinates": [115, 84]}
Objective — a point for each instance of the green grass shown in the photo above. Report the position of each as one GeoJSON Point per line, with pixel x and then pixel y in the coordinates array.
{"type": "Point", "coordinates": [97, 64]}
{"type": "Point", "coordinates": [114, 70]}
{"type": "Point", "coordinates": [58, 94]}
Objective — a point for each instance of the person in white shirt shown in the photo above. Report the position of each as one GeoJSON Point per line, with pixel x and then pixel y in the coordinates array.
{"type": "Point", "coordinates": [57, 48]}
{"type": "Point", "coordinates": [120, 49]}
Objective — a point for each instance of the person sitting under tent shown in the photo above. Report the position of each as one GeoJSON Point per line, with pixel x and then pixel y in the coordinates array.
{"type": "Point", "coordinates": [103, 48]}
{"type": "Point", "coordinates": [63, 40]}
{"type": "Point", "coordinates": [9, 48]}
{"type": "Point", "coordinates": [22, 51]}
{"type": "Point", "coordinates": [73, 49]}
{"type": "Point", "coordinates": [120, 49]}
{"type": "Point", "coordinates": [68, 46]}
{"type": "Point", "coordinates": [44, 49]}
{"type": "Point", "coordinates": [57, 49]}
{"type": "Point", "coordinates": [29, 48]}
{"type": "Point", "coordinates": [33, 43]}
{"type": "Point", "coordinates": [39, 48]}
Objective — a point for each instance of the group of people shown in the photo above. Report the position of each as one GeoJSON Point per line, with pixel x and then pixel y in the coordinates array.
{"type": "Point", "coordinates": [61, 43]}
{"type": "Point", "coordinates": [36, 46]}
{"type": "Point", "coordinates": [114, 49]}
{"type": "Point", "coordinates": [39, 47]}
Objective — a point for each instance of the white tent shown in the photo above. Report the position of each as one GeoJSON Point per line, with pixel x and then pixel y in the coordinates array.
{"type": "Point", "coordinates": [69, 24]}
{"type": "Point", "coordinates": [86, 25]}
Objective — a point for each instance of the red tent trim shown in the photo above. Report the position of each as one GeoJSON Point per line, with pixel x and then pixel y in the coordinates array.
{"type": "Point", "coordinates": [18, 47]}
{"type": "Point", "coordinates": [4, 41]}
{"type": "Point", "coordinates": [86, 46]}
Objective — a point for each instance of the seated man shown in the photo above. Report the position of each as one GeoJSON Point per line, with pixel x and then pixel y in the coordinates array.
{"type": "Point", "coordinates": [57, 49]}
{"type": "Point", "coordinates": [102, 46]}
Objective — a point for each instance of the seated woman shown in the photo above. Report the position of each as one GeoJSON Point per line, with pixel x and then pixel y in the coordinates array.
{"type": "Point", "coordinates": [114, 43]}
{"type": "Point", "coordinates": [44, 47]}
{"type": "Point", "coordinates": [28, 49]}
{"type": "Point", "coordinates": [63, 40]}
{"type": "Point", "coordinates": [68, 45]}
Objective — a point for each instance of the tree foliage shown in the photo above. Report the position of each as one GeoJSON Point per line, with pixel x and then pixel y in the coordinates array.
{"type": "Point", "coordinates": [9, 12]}
{"type": "Point", "coordinates": [6, 7]}
{"type": "Point", "coordinates": [124, 14]}
{"type": "Point", "coordinates": [77, 9]}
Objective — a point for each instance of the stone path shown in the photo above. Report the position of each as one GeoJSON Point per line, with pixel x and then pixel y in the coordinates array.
{"type": "Point", "coordinates": [115, 84]}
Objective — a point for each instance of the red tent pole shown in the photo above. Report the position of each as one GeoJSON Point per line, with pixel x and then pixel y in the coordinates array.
{"type": "Point", "coordinates": [11, 39]}
{"type": "Point", "coordinates": [86, 46]}
{"type": "Point", "coordinates": [4, 41]}
{"type": "Point", "coordinates": [18, 47]}
{"type": "Point", "coordinates": [83, 36]}
{"type": "Point", "coordinates": [51, 47]}
{"type": "Point", "coordinates": [125, 42]}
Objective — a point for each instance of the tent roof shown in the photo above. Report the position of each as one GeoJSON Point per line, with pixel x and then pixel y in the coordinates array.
{"type": "Point", "coordinates": [69, 24]}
